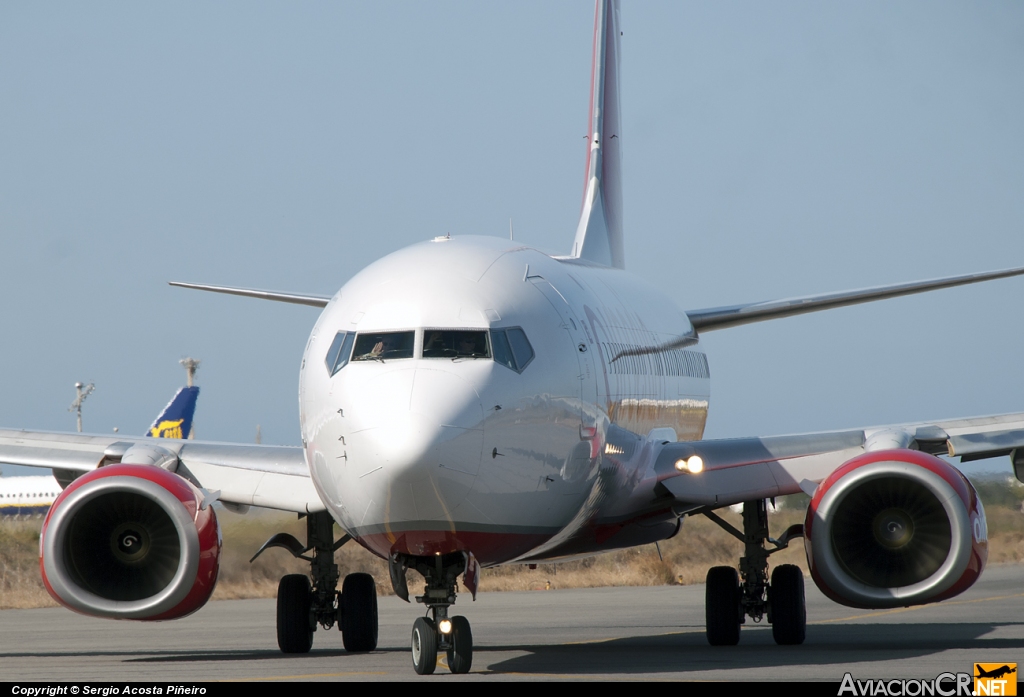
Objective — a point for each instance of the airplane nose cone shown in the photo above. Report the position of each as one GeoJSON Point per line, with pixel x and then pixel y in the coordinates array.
{"type": "Point", "coordinates": [423, 431]}
{"type": "Point", "coordinates": [412, 445]}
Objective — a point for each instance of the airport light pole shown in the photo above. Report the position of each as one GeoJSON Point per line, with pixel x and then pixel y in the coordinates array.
{"type": "Point", "coordinates": [82, 391]}
{"type": "Point", "coordinates": [191, 366]}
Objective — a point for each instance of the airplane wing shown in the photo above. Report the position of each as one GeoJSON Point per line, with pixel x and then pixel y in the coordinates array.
{"type": "Point", "coordinates": [743, 469]}
{"type": "Point", "coordinates": [268, 476]}
{"type": "Point", "coordinates": [732, 316]}
{"type": "Point", "coordinates": [293, 298]}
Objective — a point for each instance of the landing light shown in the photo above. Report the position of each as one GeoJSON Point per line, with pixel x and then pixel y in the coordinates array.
{"type": "Point", "coordinates": [445, 626]}
{"type": "Point", "coordinates": [693, 464]}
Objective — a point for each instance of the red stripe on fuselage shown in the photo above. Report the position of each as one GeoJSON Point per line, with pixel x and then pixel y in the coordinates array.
{"type": "Point", "coordinates": [590, 116]}
{"type": "Point", "coordinates": [488, 547]}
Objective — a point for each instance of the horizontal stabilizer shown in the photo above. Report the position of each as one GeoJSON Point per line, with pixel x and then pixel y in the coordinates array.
{"type": "Point", "coordinates": [294, 298]}
{"type": "Point", "coordinates": [735, 315]}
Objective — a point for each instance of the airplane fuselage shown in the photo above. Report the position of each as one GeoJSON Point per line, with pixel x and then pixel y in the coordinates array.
{"type": "Point", "coordinates": [422, 450]}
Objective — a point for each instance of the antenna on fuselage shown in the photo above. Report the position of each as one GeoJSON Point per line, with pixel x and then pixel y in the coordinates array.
{"type": "Point", "coordinates": [81, 391]}
{"type": "Point", "coordinates": [511, 236]}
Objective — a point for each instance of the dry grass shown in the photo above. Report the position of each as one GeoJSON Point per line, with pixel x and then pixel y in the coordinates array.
{"type": "Point", "coordinates": [243, 535]}
{"type": "Point", "coordinates": [684, 559]}
{"type": "Point", "coordinates": [20, 583]}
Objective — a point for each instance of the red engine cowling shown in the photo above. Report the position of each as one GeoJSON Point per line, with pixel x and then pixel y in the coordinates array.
{"type": "Point", "coordinates": [130, 542]}
{"type": "Point", "coordinates": [894, 528]}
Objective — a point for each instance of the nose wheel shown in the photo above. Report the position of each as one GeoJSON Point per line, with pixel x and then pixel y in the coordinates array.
{"type": "Point", "coordinates": [424, 646]}
{"type": "Point", "coordinates": [460, 646]}
{"type": "Point", "coordinates": [453, 636]}
{"type": "Point", "coordinates": [437, 632]}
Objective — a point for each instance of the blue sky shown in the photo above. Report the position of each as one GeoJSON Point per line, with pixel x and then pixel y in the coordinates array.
{"type": "Point", "coordinates": [770, 150]}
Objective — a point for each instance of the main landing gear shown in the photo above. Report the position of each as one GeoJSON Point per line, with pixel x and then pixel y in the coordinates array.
{"type": "Point", "coordinates": [436, 632]}
{"type": "Point", "coordinates": [302, 604]}
{"type": "Point", "coordinates": [731, 597]}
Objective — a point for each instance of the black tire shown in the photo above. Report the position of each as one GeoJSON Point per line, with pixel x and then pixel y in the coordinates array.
{"type": "Point", "coordinates": [460, 655]}
{"type": "Point", "coordinates": [359, 613]}
{"type": "Point", "coordinates": [789, 611]}
{"type": "Point", "coordinates": [294, 630]}
{"type": "Point", "coordinates": [722, 606]}
{"type": "Point", "coordinates": [424, 646]}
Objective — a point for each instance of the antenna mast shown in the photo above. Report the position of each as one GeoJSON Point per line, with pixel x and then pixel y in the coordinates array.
{"type": "Point", "coordinates": [81, 391]}
{"type": "Point", "coordinates": [191, 366]}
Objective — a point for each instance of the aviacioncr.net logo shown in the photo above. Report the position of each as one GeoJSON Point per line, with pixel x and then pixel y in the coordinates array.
{"type": "Point", "coordinates": [944, 685]}
{"type": "Point", "coordinates": [995, 679]}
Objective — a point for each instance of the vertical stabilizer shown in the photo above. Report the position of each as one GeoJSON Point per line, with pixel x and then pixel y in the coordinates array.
{"type": "Point", "coordinates": [599, 234]}
{"type": "Point", "coordinates": [175, 421]}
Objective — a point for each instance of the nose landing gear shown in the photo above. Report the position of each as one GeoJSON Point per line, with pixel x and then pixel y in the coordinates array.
{"type": "Point", "coordinates": [436, 632]}
{"type": "Point", "coordinates": [302, 605]}
{"type": "Point", "coordinates": [729, 600]}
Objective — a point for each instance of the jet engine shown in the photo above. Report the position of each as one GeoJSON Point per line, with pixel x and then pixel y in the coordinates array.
{"type": "Point", "coordinates": [894, 528]}
{"type": "Point", "coordinates": [130, 542]}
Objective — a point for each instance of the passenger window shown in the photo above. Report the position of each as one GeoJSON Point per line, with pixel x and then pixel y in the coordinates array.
{"type": "Point", "coordinates": [447, 343]}
{"type": "Point", "coordinates": [338, 354]}
{"type": "Point", "coordinates": [511, 348]}
{"type": "Point", "coordinates": [381, 346]}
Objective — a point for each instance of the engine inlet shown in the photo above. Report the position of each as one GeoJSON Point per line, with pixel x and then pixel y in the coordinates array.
{"type": "Point", "coordinates": [891, 532]}
{"type": "Point", "coordinates": [122, 546]}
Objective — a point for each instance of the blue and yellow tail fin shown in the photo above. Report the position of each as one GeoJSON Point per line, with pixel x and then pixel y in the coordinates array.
{"type": "Point", "coordinates": [176, 419]}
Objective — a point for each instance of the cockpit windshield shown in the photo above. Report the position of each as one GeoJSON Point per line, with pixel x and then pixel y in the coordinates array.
{"type": "Point", "coordinates": [455, 343]}
{"type": "Point", "coordinates": [382, 346]}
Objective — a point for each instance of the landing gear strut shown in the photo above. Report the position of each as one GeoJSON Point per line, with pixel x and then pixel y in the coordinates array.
{"type": "Point", "coordinates": [437, 631]}
{"type": "Point", "coordinates": [731, 597]}
{"type": "Point", "coordinates": [302, 604]}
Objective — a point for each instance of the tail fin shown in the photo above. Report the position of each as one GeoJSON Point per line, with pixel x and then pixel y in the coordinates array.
{"type": "Point", "coordinates": [599, 234]}
{"type": "Point", "coordinates": [176, 419]}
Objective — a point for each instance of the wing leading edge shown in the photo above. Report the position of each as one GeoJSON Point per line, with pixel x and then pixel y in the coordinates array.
{"type": "Point", "coordinates": [734, 315]}
{"type": "Point", "coordinates": [294, 298]}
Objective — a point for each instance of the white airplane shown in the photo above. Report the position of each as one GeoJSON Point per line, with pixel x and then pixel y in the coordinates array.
{"type": "Point", "coordinates": [27, 496]}
{"type": "Point", "coordinates": [469, 402]}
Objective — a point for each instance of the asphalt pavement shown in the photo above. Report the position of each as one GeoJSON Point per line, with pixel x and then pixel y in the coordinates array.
{"type": "Point", "coordinates": [637, 633]}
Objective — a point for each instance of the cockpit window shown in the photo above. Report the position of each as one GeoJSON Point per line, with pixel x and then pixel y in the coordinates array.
{"type": "Point", "coordinates": [502, 351]}
{"type": "Point", "coordinates": [511, 348]}
{"type": "Point", "coordinates": [338, 354]}
{"type": "Point", "coordinates": [383, 346]}
{"type": "Point", "coordinates": [455, 343]}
